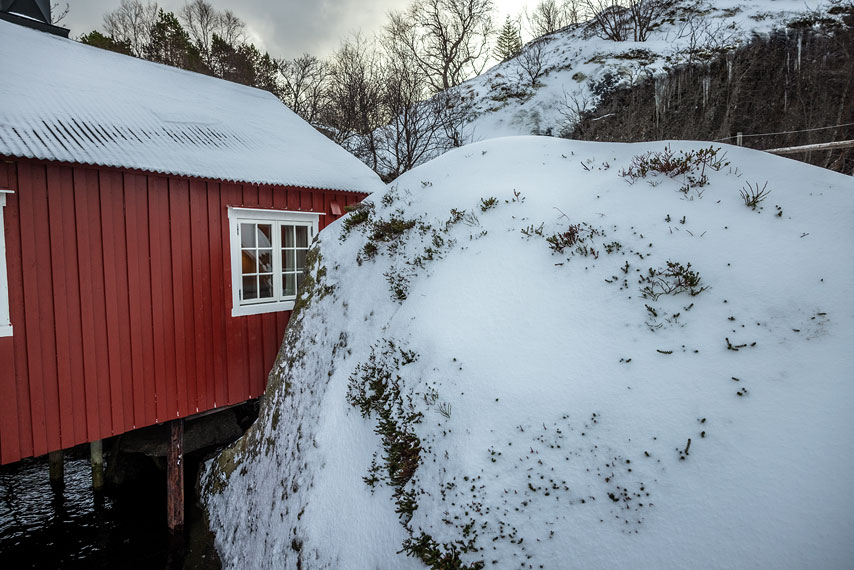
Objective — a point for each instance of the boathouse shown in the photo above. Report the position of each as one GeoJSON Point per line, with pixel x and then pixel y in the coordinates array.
{"type": "Point", "coordinates": [153, 230]}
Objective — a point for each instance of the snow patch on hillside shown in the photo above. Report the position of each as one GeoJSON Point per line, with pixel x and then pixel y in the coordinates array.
{"type": "Point", "coordinates": [580, 66]}
{"type": "Point", "coordinates": [506, 361]}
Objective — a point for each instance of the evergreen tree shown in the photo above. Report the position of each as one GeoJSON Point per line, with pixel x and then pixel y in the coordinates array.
{"type": "Point", "coordinates": [170, 44]}
{"type": "Point", "coordinates": [97, 39]}
{"type": "Point", "coordinates": [509, 41]}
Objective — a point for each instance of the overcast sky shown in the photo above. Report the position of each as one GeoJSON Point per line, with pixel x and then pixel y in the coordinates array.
{"type": "Point", "coordinates": [285, 28]}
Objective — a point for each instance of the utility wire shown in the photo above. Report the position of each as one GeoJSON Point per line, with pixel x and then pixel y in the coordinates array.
{"type": "Point", "coordinates": [786, 132]}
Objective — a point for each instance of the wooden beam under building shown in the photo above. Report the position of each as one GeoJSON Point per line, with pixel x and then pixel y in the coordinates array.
{"type": "Point", "coordinates": [175, 478]}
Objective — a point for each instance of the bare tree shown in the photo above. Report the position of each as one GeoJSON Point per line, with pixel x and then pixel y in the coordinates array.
{"type": "Point", "coordinates": [646, 15]}
{"type": "Point", "coordinates": [575, 11]}
{"type": "Point", "coordinates": [705, 37]}
{"type": "Point", "coordinates": [453, 112]}
{"type": "Point", "coordinates": [532, 61]}
{"type": "Point", "coordinates": [58, 13]}
{"type": "Point", "coordinates": [305, 81]}
{"type": "Point", "coordinates": [131, 22]}
{"type": "Point", "coordinates": [573, 107]}
{"type": "Point", "coordinates": [609, 20]}
{"type": "Point", "coordinates": [202, 21]}
{"type": "Point", "coordinates": [616, 20]}
{"type": "Point", "coordinates": [231, 28]}
{"type": "Point", "coordinates": [417, 127]}
{"type": "Point", "coordinates": [448, 39]}
{"type": "Point", "coordinates": [547, 17]}
{"type": "Point", "coordinates": [354, 112]}
{"type": "Point", "coordinates": [411, 133]}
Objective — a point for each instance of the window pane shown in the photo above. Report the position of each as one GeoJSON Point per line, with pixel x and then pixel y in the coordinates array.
{"type": "Point", "coordinates": [301, 259]}
{"type": "Point", "coordinates": [265, 260]}
{"type": "Point", "coordinates": [288, 260]}
{"type": "Point", "coordinates": [299, 280]}
{"type": "Point", "coordinates": [247, 235]}
{"type": "Point", "coordinates": [249, 263]}
{"type": "Point", "coordinates": [266, 289]}
{"type": "Point", "coordinates": [287, 236]}
{"type": "Point", "coordinates": [265, 235]}
{"type": "Point", "coordinates": [302, 236]}
{"type": "Point", "coordinates": [250, 288]}
{"type": "Point", "coordinates": [290, 284]}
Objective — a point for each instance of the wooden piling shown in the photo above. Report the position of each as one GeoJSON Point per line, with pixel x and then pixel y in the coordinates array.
{"type": "Point", "coordinates": [175, 478]}
{"type": "Point", "coordinates": [96, 458]}
{"type": "Point", "coordinates": [57, 470]}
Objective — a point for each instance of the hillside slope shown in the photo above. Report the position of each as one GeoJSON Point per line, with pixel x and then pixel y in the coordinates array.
{"type": "Point", "coordinates": [579, 67]}
{"type": "Point", "coordinates": [516, 358]}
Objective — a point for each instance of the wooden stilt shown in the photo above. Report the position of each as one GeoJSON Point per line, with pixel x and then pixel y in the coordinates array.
{"type": "Point", "coordinates": [175, 478]}
{"type": "Point", "coordinates": [96, 457]}
{"type": "Point", "coordinates": [57, 470]}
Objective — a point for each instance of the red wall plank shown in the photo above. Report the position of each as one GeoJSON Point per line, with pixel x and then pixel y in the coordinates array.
{"type": "Point", "coordinates": [44, 404]}
{"type": "Point", "coordinates": [85, 187]}
{"type": "Point", "coordinates": [139, 298]}
{"type": "Point", "coordinates": [20, 380]}
{"type": "Point", "coordinates": [201, 296]}
{"type": "Point", "coordinates": [57, 185]}
{"type": "Point", "coordinates": [182, 294]}
{"type": "Point", "coordinates": [68, 245]}
{"type": "Point", "coordinates": [162, 300]}
{"type": "Point", "coordinates": [219, 300]}
{"type": "Point", "coordinates": [110, 195]}
{"type": "Point", "coordinates": [236, 328]}
{"type": "Point", "coordinates": [10, 436]}
{"type": "Point", "coordinates": [120, 289]}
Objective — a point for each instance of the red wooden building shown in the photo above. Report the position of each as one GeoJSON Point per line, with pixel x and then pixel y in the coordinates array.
{"type": "Point", "coordinates": [153, 227]}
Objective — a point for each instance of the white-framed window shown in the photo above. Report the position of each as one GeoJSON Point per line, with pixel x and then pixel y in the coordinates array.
{"type": "Point", "coordinates": [268, 251]}
{"type": "Point", "coordinates": [5, 319]}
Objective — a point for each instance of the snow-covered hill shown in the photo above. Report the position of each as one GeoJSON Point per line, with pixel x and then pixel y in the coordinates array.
{"type": "Point", "coordinates": [541, 353]}
{"type": "Point", "coordinates": [578, 66]}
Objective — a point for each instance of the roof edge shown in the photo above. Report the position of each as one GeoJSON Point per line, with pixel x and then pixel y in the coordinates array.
{"type": "Point", "coordinates": [146, 171]}
{"type": "Point", "coordinates": [34, 24]}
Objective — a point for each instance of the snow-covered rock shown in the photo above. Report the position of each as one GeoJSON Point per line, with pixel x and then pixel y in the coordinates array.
{"type": "Point", "coordinates": [506, 361]}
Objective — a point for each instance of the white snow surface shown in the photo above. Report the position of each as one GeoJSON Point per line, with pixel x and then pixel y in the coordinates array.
{"type": "Point", "coordinates": [65, 101]}
{"type": "Point", "coordinates": [557, 408]}
{"type": "Point", "coordinates": [576, 61]}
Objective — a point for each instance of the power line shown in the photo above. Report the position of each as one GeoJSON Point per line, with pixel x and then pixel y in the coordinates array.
{"type": "Point", "coordinates": [786, 132]}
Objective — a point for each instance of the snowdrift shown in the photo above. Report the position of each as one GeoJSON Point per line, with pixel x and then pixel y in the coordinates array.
{"type": "Point", "coordinates": [541, 353]}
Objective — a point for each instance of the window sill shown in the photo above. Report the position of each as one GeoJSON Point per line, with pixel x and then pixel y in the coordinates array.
{"type": "Point", "coordinates": [261, 308]}
{"type": "Point", "coordinates": [5, 330]}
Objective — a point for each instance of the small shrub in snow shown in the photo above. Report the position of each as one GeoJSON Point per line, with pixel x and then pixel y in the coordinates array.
{"type": "Point", "coordinates": [358, 214]}
{"type": "Point", "coordinates": [399, 284]}
{"type": "Point", "coordinates": [574, 240]}
{"type": "Point", "coordinates": [375, 388]}
{"type": "Point", "coordinates": [672, 279]}
{"type": "Point", "coordinates": [691, 165]}
{"type": "Point", "coordinates": [488, 203]}
{"type": "Point", "coordinates": [391, 229]}
{"type": "Point", "coordinates": [753, 195]}
{"type": "Point", "coordinates": [531, 231]}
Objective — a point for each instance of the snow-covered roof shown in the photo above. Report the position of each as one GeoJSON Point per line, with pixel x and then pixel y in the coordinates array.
{"type": "Point", "coordinates": [65, 101]}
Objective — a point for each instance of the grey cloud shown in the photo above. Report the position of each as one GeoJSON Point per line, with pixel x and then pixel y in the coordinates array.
{"type": "Point", "coordinates": [285, 29]}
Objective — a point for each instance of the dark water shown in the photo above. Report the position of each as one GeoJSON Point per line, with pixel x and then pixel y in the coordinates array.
{"type": "Point", "coordinates": [79, 529]}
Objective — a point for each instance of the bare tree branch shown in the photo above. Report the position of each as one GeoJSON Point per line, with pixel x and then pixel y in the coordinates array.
{"type": "Point", "coordinates": [131, 22]}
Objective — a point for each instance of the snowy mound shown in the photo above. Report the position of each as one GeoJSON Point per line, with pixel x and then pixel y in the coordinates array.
{"type": "Point", "coordinates": [540, 353]}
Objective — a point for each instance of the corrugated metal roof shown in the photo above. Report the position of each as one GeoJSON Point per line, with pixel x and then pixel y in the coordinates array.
{"type": "Point", "coordinates": [62, 100]}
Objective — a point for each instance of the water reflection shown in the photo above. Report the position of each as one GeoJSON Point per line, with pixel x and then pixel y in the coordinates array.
{"type": "Point", "coordinates": [77, 528]}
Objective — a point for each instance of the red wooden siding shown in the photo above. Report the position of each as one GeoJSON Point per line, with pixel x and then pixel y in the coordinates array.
{"type": "Point", "coordinates": [120, 299]}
